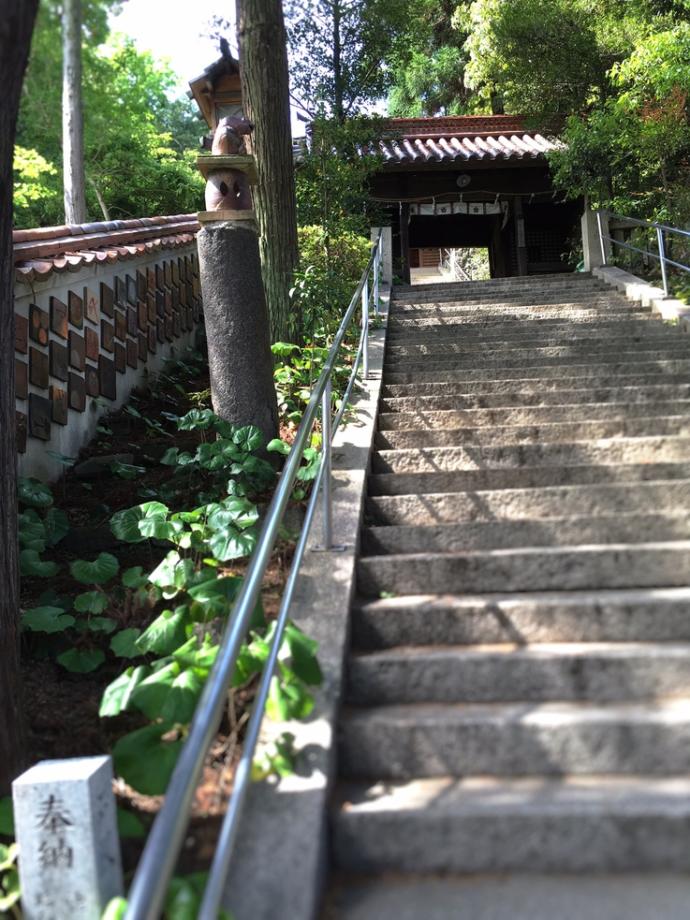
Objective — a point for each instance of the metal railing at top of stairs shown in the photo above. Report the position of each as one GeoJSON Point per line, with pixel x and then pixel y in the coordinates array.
{"type": "Point", "coordinates": [158, 860]}
{"type": "Point", "coordinates": [661, 231]}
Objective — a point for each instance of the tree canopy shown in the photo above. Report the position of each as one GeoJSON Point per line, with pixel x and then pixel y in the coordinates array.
{"type": "Point", "coordinates": [612, 77]}
{"type": "Point", "coordinates": [139, 139]}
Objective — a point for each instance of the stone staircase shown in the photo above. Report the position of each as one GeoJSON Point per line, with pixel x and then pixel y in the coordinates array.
{"type": "Point", "coordinates": [515, 739]}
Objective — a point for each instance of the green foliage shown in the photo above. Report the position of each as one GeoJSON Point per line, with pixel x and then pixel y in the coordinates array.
{"type": "Point", "coordinates": [173, 656]}
{"type": "Point", "coordinates": [138, 139]}
{"type": "Point", "coordinates": [9, 880]}
{"type": "Point", "coordinates": [331, 177]}
{"type": "Point", "coordinates": [338, 51]}
{"type": "Point", "coordinates": [615, 72]}
{"type": "Point", "coordinates": [429, 66]}
{"type": "Point", "coordinates": [332, 264]}
{"type": "Point", "coordinates": [98, 572]}
{"type": "Point", "coordinates": [37, 194]}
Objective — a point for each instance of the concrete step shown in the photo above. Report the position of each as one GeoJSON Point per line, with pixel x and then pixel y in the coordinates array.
{"type": "Point", "coordinates": [677, 425]}
{"type": "Point", "coordinates": [601, 371]}
{"type": "Point", "coordinates": [483, 824]}
{"type": "Point", "coordinates": [524, 329]}
{"type": "Point", "coordinates": [621, 450]}
{"type": "Point", "coordinates": [532, 298]}
{"type": "Point", "coordinates": [571, 568]}
{"type": "Point", "coordinates": [510, 284]}
{"type": "Point", "coordinates": [618, 527]}
{"type": "Point", "coordinates": [460, 295]}
{"type": "Point", "coordinates": [500, 361]}
{"type": "Point", "coordinates": [441, 397]}
{"type": "Point", "coordinates": [511, 897]}
{"type": "Point", "coordinates": [528, 310]}
{"type": "Point", "coordinates": [529, 504]}
{"type": "Point", "coordinates": [566, 672]}
{"type": "Point", "coordinates": [514, 739]}
{"type": "Point", "coordinates": [530, 318]}
{"type": "Point", "coordinates": [641, 615]}
{"type": "Point", "coordinates": [431, 351]}
{"type": "Point", "coordinates": [535, 477]}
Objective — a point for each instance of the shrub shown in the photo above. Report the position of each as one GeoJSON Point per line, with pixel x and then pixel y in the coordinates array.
{"type": "Point", "coordinates": [331, 266]}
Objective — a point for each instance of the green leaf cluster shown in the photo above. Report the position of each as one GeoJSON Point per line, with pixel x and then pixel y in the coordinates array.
{"type": "Point", "coordinates": [140, 136]}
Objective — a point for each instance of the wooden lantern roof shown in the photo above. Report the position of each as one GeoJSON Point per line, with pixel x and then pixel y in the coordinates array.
{"type": "Point", "coordinates": [217, 88]}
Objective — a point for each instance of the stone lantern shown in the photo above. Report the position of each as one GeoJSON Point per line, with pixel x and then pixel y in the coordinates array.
{"type": "Point", "coordinates": [235, 311]}
{"type": "Point", "coordinates": [229, 169]}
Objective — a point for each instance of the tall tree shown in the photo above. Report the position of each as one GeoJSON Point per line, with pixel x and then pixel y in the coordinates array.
{"type": "Point", "coordinates": [16, 24]}
{"type": "Point", "coordinates": [140, 142]}
{"type": "Point", "coordinates": [340, 50]}
{"type": "Point", "coordinates": [264, 73]}
{"type": "Point", "coordinates": [74, 179]}
{"type": "Point", "coordinates": [429, 68]}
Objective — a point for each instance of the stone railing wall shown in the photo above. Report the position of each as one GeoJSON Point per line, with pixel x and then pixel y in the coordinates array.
{"type": "Point", "coordinates": [98, 308]}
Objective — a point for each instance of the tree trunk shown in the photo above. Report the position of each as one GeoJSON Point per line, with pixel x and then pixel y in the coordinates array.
{"type": "Point", "coordinates": [338, 89]}
{"type": "Point", "coordinates": [16, 24]}
{"type": "Point", "coordinates": [264, 71]}
{"type": "Point", "coordinates": [74, 180]}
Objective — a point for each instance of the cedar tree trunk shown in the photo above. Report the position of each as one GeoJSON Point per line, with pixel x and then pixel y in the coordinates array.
{"type": "Point", "coordinates": [264, 72]}
{"type": "Point", "coordinates": [16, 24]}
{"type": "Point", "coordinates": [72, 116]}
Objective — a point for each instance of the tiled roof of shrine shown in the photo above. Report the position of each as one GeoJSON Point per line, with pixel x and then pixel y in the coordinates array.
{"type": "Point", "coordinates": [39, 252]}
{"type": "Point", "coordinates": [462, 139]}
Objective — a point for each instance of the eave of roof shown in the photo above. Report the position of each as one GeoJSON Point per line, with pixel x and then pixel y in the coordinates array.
{"type": "Point", "coordinates": [461, 139]}
{"type": "Point", "coordinates": [40, 252]}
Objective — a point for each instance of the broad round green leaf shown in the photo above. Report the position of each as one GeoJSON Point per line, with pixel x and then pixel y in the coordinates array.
{"type": "Point", "coordinates": [134, 577]}
{"type": "Point", "coordinates": [30, 563]}
{"type": "Point", "coordinates": [200, 419]}
{"type": "Point", "coordinates": [145, 761]}
{"type": "Point", "coordinates": [124, 643]}
{"type": "Point", "coordinates": [47, 620]}
{"type": "Point", "coordinates": [34, 493]}
{"type": "Point", "coordinates": [127, 525]}
{"type": "Point", "coordinates": [98, 572]}
{"type": "Point", "coordinates": [81, 661]}
{"type": "Point", "coordinates": [91, 602]}
{"type": "Point", "coordinates": [231, 543]}
{"type": "Point", "coordinates": [117, 694]}
{"type": "Point", "coordinates": [166, 633]}
{"type": "Point", "coordinates": [56, 525]}
{"type": "Point", "coordinates": [102, 624]}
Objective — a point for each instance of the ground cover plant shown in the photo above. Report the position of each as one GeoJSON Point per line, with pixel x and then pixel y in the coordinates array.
{"type": "Point", "coordinates": [117, 648]}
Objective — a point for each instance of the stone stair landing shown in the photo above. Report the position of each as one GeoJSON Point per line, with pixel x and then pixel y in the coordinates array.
{"type": "Point", "coordinates": [515, 737]}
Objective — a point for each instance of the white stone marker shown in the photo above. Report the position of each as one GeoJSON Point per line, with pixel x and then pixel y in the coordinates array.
{"type": "Point", "coordinates": [66, 826]}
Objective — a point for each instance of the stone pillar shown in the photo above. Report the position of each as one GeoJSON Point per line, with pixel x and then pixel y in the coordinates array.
{"type": "Point", "coordinates": [386, 252]}
{"type": "Point", "coordinates": [520, 239]}
{"type": "Point", "coordinates": [405, 242]}
{"type": "Point", "coordinates": [591, 243]}
{"type": "Point", "coordinates": [69, 850]}
{"type": "Point", "coordinates": [236, 317]}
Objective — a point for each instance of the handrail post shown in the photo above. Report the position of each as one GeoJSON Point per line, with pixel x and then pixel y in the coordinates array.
{"type": "Point", "coordinates": [662, 258]}
{"type": "Point", "coordinates": [601, 239]}
{"type": "Point", "coordinates": [326, 460]}
{"type": "Point", "coordinates": [365, 327]}
{"type": "Point", "coordinates": [377, 275]}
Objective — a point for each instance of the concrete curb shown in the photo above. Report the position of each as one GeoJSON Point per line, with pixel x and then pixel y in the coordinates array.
{"type": "Point", "coordinates": [634, 288]}
{"type": "Point", "coordinates": [281, 858]}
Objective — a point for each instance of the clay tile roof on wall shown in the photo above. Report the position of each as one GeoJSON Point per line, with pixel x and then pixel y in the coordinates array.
{"type": "Point", "coordinates": [41, 251]}
{"type": "Point", "coordinates": [461, 139]}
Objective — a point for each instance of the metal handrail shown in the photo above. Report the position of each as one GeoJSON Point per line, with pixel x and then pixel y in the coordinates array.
{"type": "Point", "coordinates": [151, 879]}
{"type": "Point", "coordinates": [660, 229]}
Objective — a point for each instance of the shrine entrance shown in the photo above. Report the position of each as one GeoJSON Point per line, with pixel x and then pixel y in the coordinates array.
{"type": "Point", "coordinates": [466, 182]}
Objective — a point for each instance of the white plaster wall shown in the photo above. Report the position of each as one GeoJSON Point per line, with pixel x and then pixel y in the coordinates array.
{"type": "Point", "coordinates": [68, 439]}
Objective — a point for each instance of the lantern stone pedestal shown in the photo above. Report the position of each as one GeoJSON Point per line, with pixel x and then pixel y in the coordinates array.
{"type": "Point", "coordinates": [236, 316]}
